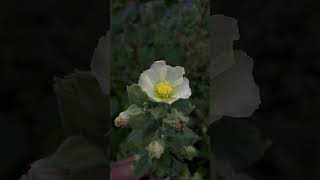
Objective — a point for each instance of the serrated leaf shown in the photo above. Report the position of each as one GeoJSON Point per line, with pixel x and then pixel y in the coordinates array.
{"type": "Point", "coordinates": [145, 131]}
{"type": "Point", "coordinates": [158, 112]}
{"type": "Point", "coordinates": [83, 107]}
{"type": "Point", "coordinates": [142, 165]}
{"type": "Point", "coordinates": [188, 136]}
{"type": "Point", "coordinates": [177, 167]}
{"type": "Point", "coordinates": [184, 106]}
{"type": "Point", "coordinates": [177, 140]}
{"type": "Point", "coordinates": [174, 117]}
{"type": "Point", "coordinates": [136, 95]}
{"type": "Point", "coordinates": [162, 166]}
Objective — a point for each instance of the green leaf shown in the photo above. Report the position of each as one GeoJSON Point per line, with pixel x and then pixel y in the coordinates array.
{"type": "Point", "coordinates": [145, 131]}
{"type": "Point", "coordinates": [135, 135]}
{"type": "Point", "coordinates": [136, 95]}
{"type": "Point", "coordinates": [136, 116]}
{"type": "Point", "coordinates": [83, 106]}
{"type": "Point", "coordinates": [188, 136]}
{"type": "Point", "coordinates": [177, 140]}
{"type": "Point", "coordinates": [162, 166]}
{"type": "Point", "coordinates": [142, 165]}
{"type": "Point", "coordinates": [238, 142]}
{"type": "Point", "coordinates": [158, 112]}
{"type": "Point", "coordinates": [175, 117]}
{"type": "Point", "coordinates": [178, 167]}
{"type": "Point", "coordinates": [167, 165]}
{"type": "Point", "coordinates": [183, 106]}
{"type": "Point", "coordinates": [76, 152]}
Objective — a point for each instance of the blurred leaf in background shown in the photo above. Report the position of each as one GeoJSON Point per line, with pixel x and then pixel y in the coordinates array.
{"type": "Point", "coordinates": [82, 104]}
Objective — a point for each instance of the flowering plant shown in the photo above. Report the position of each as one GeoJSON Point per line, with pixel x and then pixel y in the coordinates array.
{"type": "Point", "coordinates": [168, 131]}
{"type": "Point", "coordinates": [158, 116]}
{"type": "Point", "coordinates": [223, 87]}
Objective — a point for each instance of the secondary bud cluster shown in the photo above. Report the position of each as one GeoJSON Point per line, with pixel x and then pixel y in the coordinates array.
{"type": "Point", "coordinates": [155, 149]}
{"type": "Point", "coordinates": [190, 152]}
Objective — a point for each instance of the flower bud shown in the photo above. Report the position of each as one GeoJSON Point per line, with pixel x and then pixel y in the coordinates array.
{"type": "Point", "coordinates": [121, 120]}
{"type": "Point", "coordinates": [124, 117]}
{"type": "Point", "coordinates": [155, 149]}
{"type": "Point", "coordinates": [137, 157]}
{"type": "Point", "coordinates": [190, 152]}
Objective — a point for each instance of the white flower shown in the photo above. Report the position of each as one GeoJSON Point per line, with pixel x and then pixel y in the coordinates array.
{"type": "Point", "coordinates": [164, 83]}
{"type": "Point", "coordinates": [155, 149]}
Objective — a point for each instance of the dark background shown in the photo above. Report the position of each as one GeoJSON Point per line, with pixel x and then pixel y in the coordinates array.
{"type": "Point", "coordinates": [43, 39]}
{"type": "Point", "coordinates": [40, 40]}
{"type": "Point", "coordinates": [283, 39]}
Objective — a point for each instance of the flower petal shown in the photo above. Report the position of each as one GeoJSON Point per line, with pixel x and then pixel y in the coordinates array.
{"type": "Point", "coordinates": [147, 85]}
{"type": "Point", "coordinates": [171, 100]}
{"type": "Point", "coordinates": [234, 91]}
{"type": "Point", "coordinates": [175, 75]}
{"type": "Point", "coordinates": [182, 91]}
{"type": "Point", "coordinates": [148, 79]}
{"type": "Point", "coordinates": [147, 82]}
{"type": "Point", "coordinates": [160, 68]}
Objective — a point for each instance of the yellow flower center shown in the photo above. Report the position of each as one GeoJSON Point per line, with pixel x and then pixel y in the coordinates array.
{"type": "Point", "coordinates": [164, 89]}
